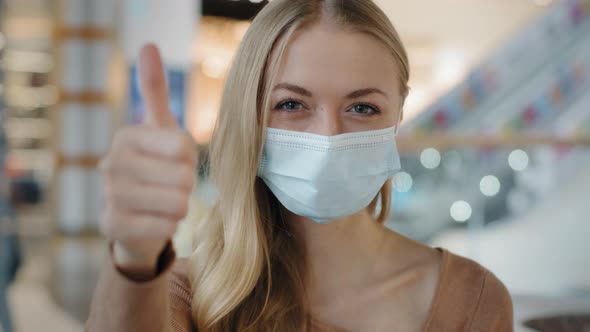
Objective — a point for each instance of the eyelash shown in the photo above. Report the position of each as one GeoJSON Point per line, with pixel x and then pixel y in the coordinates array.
{"type": "Point", "coordinates": [375, 108]}
{"type": "Point", "coordinates": [284, 102]}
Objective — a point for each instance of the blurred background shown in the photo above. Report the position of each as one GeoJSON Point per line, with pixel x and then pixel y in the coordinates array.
{"type": "Point", "coordinates": [495, 143]}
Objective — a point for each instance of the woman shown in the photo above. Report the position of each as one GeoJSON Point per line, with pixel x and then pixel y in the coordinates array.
{"type": "Point", "coordinates": [302, 158]}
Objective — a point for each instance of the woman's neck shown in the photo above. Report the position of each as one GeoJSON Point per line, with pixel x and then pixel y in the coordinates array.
{"type": "Point", "coordinates": [343, 254]}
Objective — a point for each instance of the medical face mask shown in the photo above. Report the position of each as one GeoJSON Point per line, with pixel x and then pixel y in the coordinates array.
{"type": "Point", "coordinates": [325, 178]}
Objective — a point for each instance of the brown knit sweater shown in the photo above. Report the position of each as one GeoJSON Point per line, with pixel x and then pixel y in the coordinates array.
{"type": "Point", "coordinates": [468, 298]}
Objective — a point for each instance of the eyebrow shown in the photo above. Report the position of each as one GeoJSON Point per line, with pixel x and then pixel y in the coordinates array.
{"type": "Point", "coordinates": [364, 92]}
{"type": "Point", "coordinates": [304, 92]}
{"type": "Point", "coordinates": [293, 88]}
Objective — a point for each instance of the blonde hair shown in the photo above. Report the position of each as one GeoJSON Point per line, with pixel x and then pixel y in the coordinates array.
{"type": "Point", "coordinates": [247, 270]}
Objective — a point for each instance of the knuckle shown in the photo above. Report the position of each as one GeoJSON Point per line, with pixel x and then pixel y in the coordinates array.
{"type": "Point", "coordinates": [125, 136]}
{"type": "Point", "coordinates": [191, 150]}
{"type": "Point", "coordinates": [177, 144]}
{"type": "Point", "coordinates": [187, 178]}
{"type": "Point", "coordinates": [182, 144]}
{"type": "Point", "coordinates": [114, 195]}
{"type": "Point", "coordinates": [181, 205]}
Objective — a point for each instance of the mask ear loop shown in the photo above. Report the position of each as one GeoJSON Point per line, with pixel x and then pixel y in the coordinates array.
{"type": "Point", "coordinates": [395, 194]}
{"type": "Point", "coordinates": [399, 122]}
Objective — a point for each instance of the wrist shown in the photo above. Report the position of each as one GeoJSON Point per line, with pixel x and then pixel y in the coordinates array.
{"type": "Point", "coordinates": [134, 264]}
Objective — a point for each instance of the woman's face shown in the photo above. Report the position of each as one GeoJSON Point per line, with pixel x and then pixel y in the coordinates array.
{"type": "Point", "coordinates": [333, 81]}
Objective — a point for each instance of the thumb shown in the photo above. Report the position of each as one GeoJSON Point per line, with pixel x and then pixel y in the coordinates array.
{"type": "Point", "coordinates": [154, 89]}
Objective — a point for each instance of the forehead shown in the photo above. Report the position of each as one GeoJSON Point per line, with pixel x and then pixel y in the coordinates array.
{"type": "Point", "coordinates": [326, 56]}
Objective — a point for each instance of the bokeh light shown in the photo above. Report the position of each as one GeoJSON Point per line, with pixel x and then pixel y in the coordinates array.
{"type": "Point", "coordinates": [430, 158]}
{"type": "Point", "coordinates": [490, 185]}
{"type": "Point", "coordinates": [403, 182]}
{"type": "Point", "coordinates": [518, 160]}
{"type": "Point", "coordinates": [461, 211]}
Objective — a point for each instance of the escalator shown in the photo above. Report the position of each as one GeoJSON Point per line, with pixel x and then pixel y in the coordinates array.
{"type": "Point", "coordinates": [536, 84]}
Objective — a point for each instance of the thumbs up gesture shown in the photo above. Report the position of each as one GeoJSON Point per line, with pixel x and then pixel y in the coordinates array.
{"type": "Point", "coordinates": [149, 174]}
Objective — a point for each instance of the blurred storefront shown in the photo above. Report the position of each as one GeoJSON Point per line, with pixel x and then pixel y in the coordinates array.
{"type": "Point", "coordinates": [495, 143]}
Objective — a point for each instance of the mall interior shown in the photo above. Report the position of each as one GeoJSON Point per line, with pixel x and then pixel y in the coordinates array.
{"type": "Point", "coordinates": [495, 143]}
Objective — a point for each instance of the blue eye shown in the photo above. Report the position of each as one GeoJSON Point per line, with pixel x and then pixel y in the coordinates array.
{"type": "Point", "coordinates": [289, 106]}
{"type": "Point", "coordinates": [365, 109]}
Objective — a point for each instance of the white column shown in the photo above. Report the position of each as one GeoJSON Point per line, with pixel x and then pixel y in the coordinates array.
{"type": "Point", "coordinates": [85, 47]}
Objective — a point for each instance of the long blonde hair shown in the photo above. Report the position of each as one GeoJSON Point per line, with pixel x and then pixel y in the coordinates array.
{"type": "Point", "coordinates": [247, 270]}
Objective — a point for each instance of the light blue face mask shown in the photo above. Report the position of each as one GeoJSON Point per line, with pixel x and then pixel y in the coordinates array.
{"type": "Point", "coordinates": [325, 178]}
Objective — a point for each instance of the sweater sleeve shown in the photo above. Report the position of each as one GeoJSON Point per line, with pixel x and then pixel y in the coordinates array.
{"type": "Point", "coordinates": [162, 304]}
{"type": "Point", "coordinates": [494, 310]}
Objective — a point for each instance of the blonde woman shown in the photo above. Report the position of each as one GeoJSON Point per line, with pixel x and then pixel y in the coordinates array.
{"type": "Point", "coordinates": [302, 157]}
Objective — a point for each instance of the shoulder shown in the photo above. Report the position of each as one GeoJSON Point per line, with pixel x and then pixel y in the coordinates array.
{"type": "Point", "coordinates": [463, 275]}
{"type": "Point", "coordinates": [470, 296]}
{"type": "Point", "coordinates": [494, 306]}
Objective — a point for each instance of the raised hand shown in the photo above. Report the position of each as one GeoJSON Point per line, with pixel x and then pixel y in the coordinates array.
{"type": "Point", "coordinates": [149, 174]}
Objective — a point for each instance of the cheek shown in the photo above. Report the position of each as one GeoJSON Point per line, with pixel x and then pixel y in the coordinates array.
{"type": "Point", "coordinates": [377, 122]}
{"type": "Point", "coordinates": [289, 121]}
{"type": "Point", "coordinates": [389, 118]}
{"type": "Point", "coordinates": [276, 122]}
